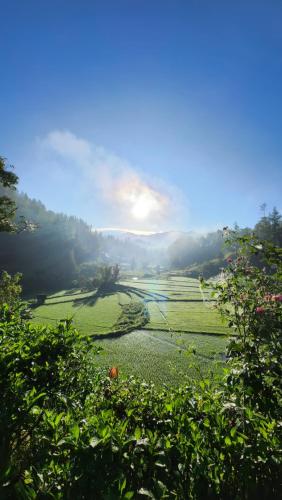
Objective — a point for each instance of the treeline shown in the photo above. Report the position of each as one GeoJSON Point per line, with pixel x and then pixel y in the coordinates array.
{"type": "Point", "coordinates": [208, 254]}
{"type": "Point", "coordinates": [56, 249]}
{"type": "Point", "coordinates": [52, 251]}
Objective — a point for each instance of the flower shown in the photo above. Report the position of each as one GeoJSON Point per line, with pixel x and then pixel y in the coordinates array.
{"type": "Point", "coordinates": [229, 260]}
{"type": "Point", "coordinates": [260, 310]}
{"type": "Point", "coordinates": [277, 298]}
{"type": "Point", "coordinates": [113, 372]}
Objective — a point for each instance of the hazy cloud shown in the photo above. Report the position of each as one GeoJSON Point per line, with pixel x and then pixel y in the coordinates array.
{"type": "Point", "coordinates": [125, 192]}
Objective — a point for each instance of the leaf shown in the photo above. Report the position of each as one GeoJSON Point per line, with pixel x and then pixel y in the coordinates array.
{"type": "Point", "coordinates": [122, 485]}
{"type": "Point", "coordinates": [228, 441]}
{"type": "Point", "coordinates": [233, 431]}
{"type": "Point", "coordinates": [167, 443]}
{"type": "Point", "coordinates": [206, 422]}
{"type": "Point", "coordinates": [58, 418]}
{"type": "Point", "coordinates": [75, 431]}
{"type": "Point", "coordinates": [129, 494]}
{"type": "Point", "coordinates": [145, 493]}
{"type": "Point", "coordinates": [137, 433]}
{"type": "Point", "coordinates": [94, 442]}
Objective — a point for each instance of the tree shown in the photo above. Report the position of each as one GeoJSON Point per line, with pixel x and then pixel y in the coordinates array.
{"type": "Point", "coordinates": [270, 227]}
{"type": "Point", "coordinates": [263, 208]}
{"type": "Point", "coordinates": [7, 206]}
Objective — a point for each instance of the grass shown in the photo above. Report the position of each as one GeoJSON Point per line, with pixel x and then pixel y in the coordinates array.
{"type": "Point", "coordinates": [181, 332]}
{"type": "Point", "coordinates": [163, 358]}
{"type": "Point", "coordinates": [90, 315]}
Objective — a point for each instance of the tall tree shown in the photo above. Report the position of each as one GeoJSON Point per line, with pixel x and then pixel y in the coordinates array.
{"type": "Point", "coordinates": [7, 206]}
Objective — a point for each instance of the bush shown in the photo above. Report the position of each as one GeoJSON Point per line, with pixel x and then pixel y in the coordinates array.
{"type": "Point", "coordinates": [67, 432]}
{"type": "Point", "coordinates": [43, 376]}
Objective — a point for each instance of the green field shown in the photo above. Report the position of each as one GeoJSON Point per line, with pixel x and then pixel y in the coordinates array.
{"type": "Point", "coordinates": [183, 332]}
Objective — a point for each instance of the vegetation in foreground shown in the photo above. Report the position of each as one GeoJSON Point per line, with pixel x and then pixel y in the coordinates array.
{"type": "Point", "coordinates": [67, 431]}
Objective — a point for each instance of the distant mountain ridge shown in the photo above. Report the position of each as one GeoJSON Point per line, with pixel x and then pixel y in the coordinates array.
{"type": "Point", "coordinates": [155, 240]}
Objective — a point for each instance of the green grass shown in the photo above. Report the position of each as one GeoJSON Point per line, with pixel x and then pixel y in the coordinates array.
{"type": "Point", "coordinates": [163, 358]}
{"type": "Point", "coordinates": [181, 319]}
{"type": "Point", "coordinates": [90, 315]}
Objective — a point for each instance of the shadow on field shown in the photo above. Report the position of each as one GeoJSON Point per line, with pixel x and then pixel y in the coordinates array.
{"type": "Point", "coordinates": [68, 293]}
{"type": "Point", "coordinates": [130, 291]}
{"type": "Point", "coordinates": [102, 292]}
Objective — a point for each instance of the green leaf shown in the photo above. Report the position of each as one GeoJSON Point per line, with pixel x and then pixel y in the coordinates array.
{"type": "Point", "coordinates": [228, 441]}
{"type": "Point", "coordinates": [129, 494]}
{"type": "Point", "coordinates": [233, 431]}
{"type": "Point", "coordinates": [75, 431]}
{"type": "Point", "coordinates": [206, 422]}
{"type": "Point", "coordinates": [58, 418]}
{"type": "Point", "coordinates": [122, 485]}
{"type": "Point", "coordinates": [137, 433]}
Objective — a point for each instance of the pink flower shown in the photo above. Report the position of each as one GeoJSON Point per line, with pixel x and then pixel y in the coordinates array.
{"type": "Point", "coordinates": [260, 310]}
{"type": "Point", "coordinates": [277, 298]}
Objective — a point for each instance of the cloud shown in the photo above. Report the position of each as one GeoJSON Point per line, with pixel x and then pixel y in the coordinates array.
{"type": "Point", "coordinates": [68, 145]}
{"type": "Point", "coordinates": [128, 195]}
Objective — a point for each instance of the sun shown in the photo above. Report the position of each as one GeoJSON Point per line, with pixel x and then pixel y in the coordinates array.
{"type": "Point", "coordinates": [141, 209]}
{"type": "Point", "coordinates": [143, 204]}
{"type": "Point", "coordinates": [140, 201]}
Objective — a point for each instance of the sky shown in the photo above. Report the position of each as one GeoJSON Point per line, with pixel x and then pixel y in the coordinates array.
{"type": "Point", "coordinates": [144, 114]}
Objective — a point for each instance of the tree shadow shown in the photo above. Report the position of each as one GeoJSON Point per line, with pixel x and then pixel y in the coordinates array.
{"type": "Point", "coordinates": [109, 290]}
{"type": "Point", "coordinates": [106, 291]}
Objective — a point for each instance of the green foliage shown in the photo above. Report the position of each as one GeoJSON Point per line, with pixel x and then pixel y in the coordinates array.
{"type": "Point", "coordinates": [10, 289]}
{"type": "Point", "coordinates": [269, 227]}
{"type": "Point", "coordinates": [9, 221]}
{"type": "Point", "coordinates": [190, 250]}
{"type": "Point", "coordinates": [69, 433]}
{"type": "Point", "coordinates": [54, 256]}
{"type": "Point", "coordinates": [134, 315]}
{"type": "Point", "coordinates": [7, 206]}
{"type": "Point", "coordinates": [44, 381]}
{"type": "Point", "coordinates": [105, 276]}
{"type": "Point", "coordinates": [49, 257]}
{"type": "Point", "coordinates": [206, 255]}
{"type": "Point", "coordinates": [250, 298]}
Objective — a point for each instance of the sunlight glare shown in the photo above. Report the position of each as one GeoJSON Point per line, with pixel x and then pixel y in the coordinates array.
{"type": "Point", "coordinates": [143, 205]}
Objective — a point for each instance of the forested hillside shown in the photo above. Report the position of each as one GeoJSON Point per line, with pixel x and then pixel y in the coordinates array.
{"type": "Point", "coordinates": [51, 251]}
{"type": "Point", "coordinates": [207, 254]}
{"type": "Point", "coordinates": [49, 255]}
{"type": "Point", "coordinates": [55, 246]}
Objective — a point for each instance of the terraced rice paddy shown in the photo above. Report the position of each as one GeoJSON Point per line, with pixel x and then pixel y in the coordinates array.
{"type": "Point", "coordinates": [183, 332]}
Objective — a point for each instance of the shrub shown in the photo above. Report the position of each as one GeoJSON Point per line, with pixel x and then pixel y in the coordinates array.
{"type": "Point", "coordinates": [67, 432]}
{"type": "Point", "coordinates": [43, 374]}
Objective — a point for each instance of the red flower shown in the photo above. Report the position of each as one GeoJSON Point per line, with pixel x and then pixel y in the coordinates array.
{"type": "Point", "coordinates": [113, 372]}
{"type": "Point", "coordinates": [260, 310]}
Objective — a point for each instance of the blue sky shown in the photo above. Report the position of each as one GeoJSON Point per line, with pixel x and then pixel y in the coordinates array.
{"type": "Point", "coordinates": [144, 114]}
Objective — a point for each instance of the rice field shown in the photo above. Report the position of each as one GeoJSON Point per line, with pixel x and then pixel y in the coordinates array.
{"type": "Point", "coordinates": [183, 335]}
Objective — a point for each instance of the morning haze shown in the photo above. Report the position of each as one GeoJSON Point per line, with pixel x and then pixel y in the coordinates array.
{"type": "Point", "coordinates": [140, 249]}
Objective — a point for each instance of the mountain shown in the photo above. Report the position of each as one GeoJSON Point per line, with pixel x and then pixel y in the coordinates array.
{"type": "Point", "coordinates": [161, 240]}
